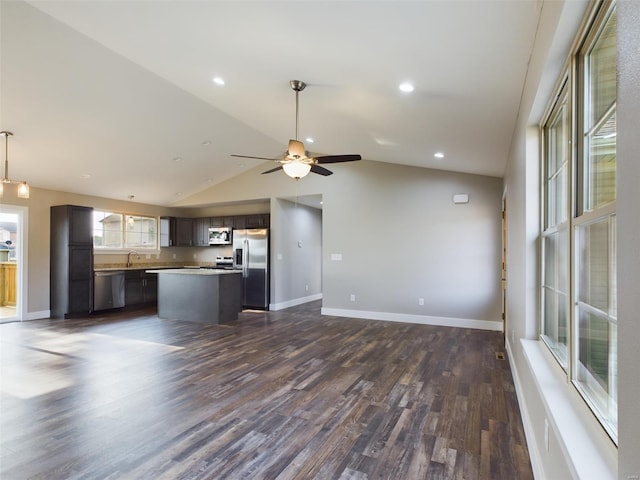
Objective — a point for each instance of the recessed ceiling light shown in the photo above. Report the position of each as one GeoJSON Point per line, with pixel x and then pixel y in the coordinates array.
{"type": "Point", "coordinates": [438, 155]}
{"type": "Point", "coordinates": [206, 143]}
{"type": "Point", "coordinates": [178, 194]}
{"type": "Point", "coordinates": [406, 87]}
{"type": "Point", "coordinates": [309, 139]}
{"type": "Point", "coordinates": [218, 81]}
{"type": "Point", "coordinates": [177, 159]}
{"type": "Point", "coordinates": [85, 176]}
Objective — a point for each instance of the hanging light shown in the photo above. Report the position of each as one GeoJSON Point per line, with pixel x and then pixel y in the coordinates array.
{"type": "Point", "coordinates": [296, 170]}
{"type": "Point", "coordinates": [23, 187]}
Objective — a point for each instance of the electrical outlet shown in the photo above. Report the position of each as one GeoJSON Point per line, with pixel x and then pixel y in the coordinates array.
{"type": "Point", "coordinates": [195, 255]}
{"type": "Point", "coordinates": [147, 256]}
{"type": "Point", "coordinates": [421, 301]}
{"type": "Point", "coordinates": [306, 287]}
{"type": "Point", "coordinates": [353, 297]}
{"type": "Point", "coordinates": [546, 434]}
{"type": "Point", "coordinates": [174, 256]}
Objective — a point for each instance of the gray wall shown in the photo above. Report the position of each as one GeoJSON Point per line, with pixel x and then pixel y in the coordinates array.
{"type": "Point", "coordinates": [628, 237]}
{"type": "Point", "coordinates": [401, 238]}
{"type": "Point", "coordinates": [296, 253]}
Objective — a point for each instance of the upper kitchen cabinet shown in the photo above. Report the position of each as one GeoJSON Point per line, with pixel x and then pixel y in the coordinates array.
{"type": "Point", "coordinates": [167, 232]}
{"type": "Point", "coordinates": [201, 231]}
{"type": "Point", "coordinates": [176, 232]}
{"type": "Point", "coordinates": [257, 221]}
{"type": "Point", "coordinates": [222, 222]}
{"type": "Point", "coordinates": [71, 271]}
{"type": "Point", "coordinates": [184, 232]}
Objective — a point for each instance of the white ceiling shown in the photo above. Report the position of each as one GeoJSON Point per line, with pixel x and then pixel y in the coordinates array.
{"type": "Point", "coordinates": [117, 90]}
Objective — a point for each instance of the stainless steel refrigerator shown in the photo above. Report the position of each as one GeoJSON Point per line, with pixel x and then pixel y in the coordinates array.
{"type": "Point", "coordinates": [251, 255]}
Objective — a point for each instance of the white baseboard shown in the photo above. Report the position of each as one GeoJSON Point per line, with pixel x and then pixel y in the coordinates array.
{"type": "Point", "coordinates": [37, 315]}
{"type": "Point", "coordinates": [419, 319]}
{"type": "Point", "coordinates": [294, 302]}
{"type": "Point", "coordinates": [532, 446]}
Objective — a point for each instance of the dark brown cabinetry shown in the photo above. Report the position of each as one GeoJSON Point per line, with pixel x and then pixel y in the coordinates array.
{"type": "Point", "coordinates": [222, 222]}
{"type": "Point", "coordinates": [71, 254]}
{"type": "Point", "coordinates": [176, 232]}
{"type": "Point", "coordinates": [257, 221]}
{"type": "Point", "coordinates": [167, 232]}
{"type": "Point", "coordinates": [140, 288]}
{"type": "Point", "coordinates": [201, 231]}
{"type": "Point", "coordinates": [194, 232]}
{"type": "Point", "coordinates": [184, 232]}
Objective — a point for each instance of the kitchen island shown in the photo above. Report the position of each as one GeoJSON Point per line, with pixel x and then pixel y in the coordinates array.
{"type": "Point", "coordinates": [199, 294]}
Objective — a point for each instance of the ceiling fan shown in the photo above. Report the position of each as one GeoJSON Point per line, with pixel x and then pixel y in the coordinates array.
{"type": "Point", "coordinates": [296, 161]}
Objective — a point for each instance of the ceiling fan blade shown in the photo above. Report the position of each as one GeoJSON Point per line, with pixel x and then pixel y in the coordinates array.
{"type": "Point", "coordinates": [257, 158]}
{"type": "Point", "coordinates": [321, 170]}
{"type": "Point", "coordinates": [273, 170]}
{"type": "Point", "coordinates": [337, 158]}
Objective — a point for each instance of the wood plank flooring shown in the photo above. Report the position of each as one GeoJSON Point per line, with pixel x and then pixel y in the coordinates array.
{"type": "Point", "coordinates": [276, 395]}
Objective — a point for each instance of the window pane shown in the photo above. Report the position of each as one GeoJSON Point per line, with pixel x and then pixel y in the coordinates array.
{"type": "Point", "coordinates": [613, 269]}
{"type": "Point", "coordinates": [593, 264]}
{"type": "Point", "coordinates": [601, 72]}
{"type": "Point", "coordinates": [594, 344]}
{"type": "Point", "coordinates": [107, 229]}
{"type": "Point", "coordinates": [557, 135]}
{"type": "Point", "coordinates": [556, 285]}
{"type": "Point", "coordinates": [555, 323]}
{"type": "Point", "coordinates": [597, 365]}
{"type": "Point", "coordinates": [602, 164]}
{"type": "Point", "coordinates": [141, 232]}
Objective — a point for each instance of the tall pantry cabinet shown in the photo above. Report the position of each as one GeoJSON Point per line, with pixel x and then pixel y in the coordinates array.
{"type": "Point", "coordinates": [71, 282]}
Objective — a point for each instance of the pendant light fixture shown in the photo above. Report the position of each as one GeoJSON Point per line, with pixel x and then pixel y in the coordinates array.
{"type": "Point", "coordinates": [23, 187]}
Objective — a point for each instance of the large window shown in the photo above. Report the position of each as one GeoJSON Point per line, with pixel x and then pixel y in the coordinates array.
{"type": "Point", "coordinates": [121, 231]}
{"type": "Point", "coordinates": [579, 315]}
{"type": "Point", "coordinates": [555, 233]}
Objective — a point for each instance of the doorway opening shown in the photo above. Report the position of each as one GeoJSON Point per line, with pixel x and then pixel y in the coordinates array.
{"type": "Point", "coordinates": [13, 221]}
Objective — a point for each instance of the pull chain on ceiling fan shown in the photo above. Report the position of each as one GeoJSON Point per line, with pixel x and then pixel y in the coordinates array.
{"type": "Point", "coordinates": [296, 161]}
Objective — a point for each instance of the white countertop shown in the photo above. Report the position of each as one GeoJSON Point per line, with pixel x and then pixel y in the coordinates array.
{"type": "Point", "coordinates": [195, 271]}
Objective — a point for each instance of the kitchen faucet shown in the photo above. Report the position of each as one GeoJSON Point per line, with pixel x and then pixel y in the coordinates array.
{"type": "Point", "coordinates": [129, 263]}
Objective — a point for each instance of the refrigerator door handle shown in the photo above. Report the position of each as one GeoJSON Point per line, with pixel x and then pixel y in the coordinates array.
{"type": "Point", "coordinates": [245, 266]}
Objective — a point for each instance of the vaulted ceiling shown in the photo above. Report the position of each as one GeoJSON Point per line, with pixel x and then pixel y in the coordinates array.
{"type": "Point", "coordinates": [116, 98]}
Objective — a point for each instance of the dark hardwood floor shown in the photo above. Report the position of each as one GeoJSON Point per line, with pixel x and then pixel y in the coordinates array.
{"type": "Point", "coordinates": [287, 395]}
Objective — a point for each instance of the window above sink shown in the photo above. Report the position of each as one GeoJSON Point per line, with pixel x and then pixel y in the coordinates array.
{"type": "Point", "coordinates": [122, 231]}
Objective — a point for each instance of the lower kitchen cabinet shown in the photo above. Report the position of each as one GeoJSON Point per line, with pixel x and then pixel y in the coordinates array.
{"type": "Point", "coordinates": [140, 288]}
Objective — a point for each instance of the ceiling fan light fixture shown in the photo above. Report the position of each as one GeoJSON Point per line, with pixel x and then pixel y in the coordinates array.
{"type": "Point", "coordinates": [296, 170]}
{"type": "Point", "coordinates": [296, 149]}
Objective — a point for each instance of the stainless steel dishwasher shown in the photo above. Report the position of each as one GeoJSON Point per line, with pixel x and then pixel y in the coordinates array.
{"type": "Point", "coordinates": [108, 290]}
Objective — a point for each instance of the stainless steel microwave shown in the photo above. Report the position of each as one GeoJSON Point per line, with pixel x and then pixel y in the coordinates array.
{"type": "Point", "coordinates": [220, 236]}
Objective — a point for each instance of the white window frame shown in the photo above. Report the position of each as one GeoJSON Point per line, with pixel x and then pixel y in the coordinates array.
{"type": "Point", "coordinates": [125, 247]}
